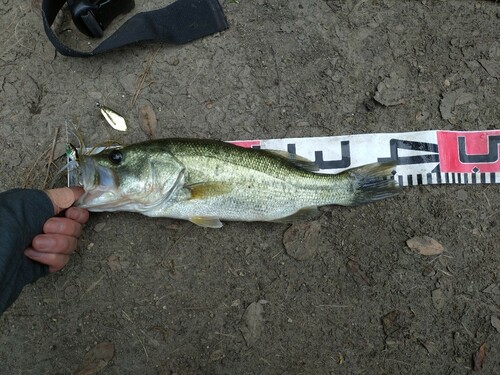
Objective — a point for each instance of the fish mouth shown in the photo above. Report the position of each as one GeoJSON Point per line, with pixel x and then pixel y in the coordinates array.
{"type": "Point", "coordinates": [99, 184]}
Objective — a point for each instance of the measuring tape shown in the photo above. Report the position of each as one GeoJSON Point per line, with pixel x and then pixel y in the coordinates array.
{"type": "Point", "coordinates": [423, 158]}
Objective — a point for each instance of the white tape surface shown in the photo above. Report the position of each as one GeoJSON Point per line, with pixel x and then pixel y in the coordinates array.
{"type": "Point", "coordinates": [423, 158]}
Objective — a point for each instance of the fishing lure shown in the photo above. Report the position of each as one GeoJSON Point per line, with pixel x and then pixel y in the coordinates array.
{"type": "Point", "coordinates": [114, 119]}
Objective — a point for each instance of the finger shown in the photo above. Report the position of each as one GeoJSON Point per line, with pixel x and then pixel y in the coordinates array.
{"type": "Point", "coordinates": [54, 261]}
{"type": "Point", "coordinates": [62, 225]}
{"type": "Point", "coordinates": [54, 243]}
{"type": "Point", "coordinates": [80, 215]}
{"type": "Point", "coordinates": [63, 198]}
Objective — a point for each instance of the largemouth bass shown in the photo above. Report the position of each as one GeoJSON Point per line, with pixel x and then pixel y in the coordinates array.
{"type": "Point", "coordinates": [206, 181]}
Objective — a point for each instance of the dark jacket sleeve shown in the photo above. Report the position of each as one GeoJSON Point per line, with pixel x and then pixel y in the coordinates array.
{"type": "Point", "coordinates": [22, 215]}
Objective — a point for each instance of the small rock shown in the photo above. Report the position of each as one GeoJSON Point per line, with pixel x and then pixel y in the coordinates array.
{"type": "Point", "coordinates": [215, 116]}
{"type": "Point", "coordinates": [173, 61]}
{"type": "Point", "coordinates": [421, 115]}
{"type": "Point", "coordinates": [462, 195]}
{"type": "Point", "coordinates": [491, 67]}
{"type": "Point", "coordinates": [429, 271]}
{"type": "Point", "coordinates": [473, 64]}
{"type": "Point", "coordinates": [71, 292]}
{"type": "Point", "coordinates": [301, 240]}
{"type": "Point", "coordinates": [173, 272]}
{"type": "Point", "coordinates": [391, 91]}
{"type": "Point", "coordinates": [216, 355]}
{"type": "Point", "coordinates": [465, 98]}
{"type": "Point", "coordinates": [452, 99]}
{"type": "Point", "coordinates": [494, 51]}
{"type": "Point", "coordinates": [128, 82]}
{"type": "Point", "coordinates": [173, 226]}
{"type": "Point", "coordinates": [438, 299]}
{"type": "Point", "coordinates": [495, 322]}
{"type": "Point", "coordinates": [96, 95]}
{"type": "Point", "coordinates": [425, 245]}
{"type": "Point", "coordinates": [99, 227]}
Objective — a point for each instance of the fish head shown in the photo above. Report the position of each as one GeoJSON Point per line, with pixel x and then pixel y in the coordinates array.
{"type": "Point", "coordinates": [128, 179]}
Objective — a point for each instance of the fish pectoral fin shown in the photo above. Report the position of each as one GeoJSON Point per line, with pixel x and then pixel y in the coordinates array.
{"type": "Point", "coordinates": [302, 214]}
{"type": "Point", "coordinates": [297, 160]}
{"type": "Point", "coordinates": [206, 221]}
{"type": "Point", "coordinates": [208, 189]}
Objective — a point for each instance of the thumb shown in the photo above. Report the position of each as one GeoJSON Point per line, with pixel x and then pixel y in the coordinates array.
{"type": "Point", "coordinates": [63, 198]}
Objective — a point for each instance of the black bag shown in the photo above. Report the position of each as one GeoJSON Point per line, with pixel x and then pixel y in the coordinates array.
{"type": "Point", "coordinates": [180, 22]}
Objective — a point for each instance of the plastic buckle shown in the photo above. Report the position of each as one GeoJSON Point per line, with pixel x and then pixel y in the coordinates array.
{"type": "Point", "coordinates": [91, 17]}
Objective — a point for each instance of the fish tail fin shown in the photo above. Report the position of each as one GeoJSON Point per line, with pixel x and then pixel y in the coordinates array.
{"type": "Point", "coordinates": [371, 182]}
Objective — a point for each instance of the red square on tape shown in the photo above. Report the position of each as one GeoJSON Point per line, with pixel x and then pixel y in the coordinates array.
{"type": "Point", "coordinates": [469, 152]}
{"type": "Point", "coordinates": [246, 144]}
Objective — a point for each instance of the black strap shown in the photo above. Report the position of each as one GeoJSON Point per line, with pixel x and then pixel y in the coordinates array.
{"type": "Point", "coordinates": [180, 22]}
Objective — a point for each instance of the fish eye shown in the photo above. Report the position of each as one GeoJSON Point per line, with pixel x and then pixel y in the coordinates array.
{"type": "Point", "coordinates": [115, 157]}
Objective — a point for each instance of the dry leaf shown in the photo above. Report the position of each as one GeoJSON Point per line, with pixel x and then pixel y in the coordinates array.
{"type": "Point", "coordinates": [389, 322]}
{"type": "Point", "coordinates": [96, 359]}
{"type": "Point", "coordinates": [147, 120]}
{"type": "Point", "coordinates": [354, 268]}
{"type": "Point", "coordinates": [301, 240]}
{"type": "Point", "coordinates": [252, 323]}
{"type": "Point", "coordinates": [479, 357]}
{"type": "Point", "coordinates": [425, 245]}
{"type": "Point", "coordinates": [397, 322]}
{"type": "Point", "coordinates": [114, 263]}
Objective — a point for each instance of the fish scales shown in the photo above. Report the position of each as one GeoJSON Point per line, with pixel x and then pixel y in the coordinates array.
{"type": "Point", "coordinates": [206, 181]}
{"type": "Point", "coordinates": [266, 187]}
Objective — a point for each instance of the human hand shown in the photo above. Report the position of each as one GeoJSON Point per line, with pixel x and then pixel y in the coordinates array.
{"type": "Point", "coordinates": [60, 234]}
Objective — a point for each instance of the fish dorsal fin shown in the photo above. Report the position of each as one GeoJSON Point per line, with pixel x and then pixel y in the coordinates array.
{"type": "Point", "coordinates": [205, 190]}
{"type": "Point", "coordinates": [206, 221]}
{"type": "Point", "coordinates": [297, 160]}
{"type": "Point", "coordinates": [302, 214]}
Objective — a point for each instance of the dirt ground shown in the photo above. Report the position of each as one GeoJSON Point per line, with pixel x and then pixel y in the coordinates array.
{"type": "Point", "coordinates": [173, 298]}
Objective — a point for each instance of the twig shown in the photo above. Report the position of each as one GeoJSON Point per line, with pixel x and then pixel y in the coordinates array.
{"type": "Point", "coordinates": [142, 78]}
{"type": "Point", "coordinates": [51, 157]}
{"type": "Point", "coordinates": [42, 155]}
{"type": "Point", "coordinates": [92, 286]}
{"type": "Point", "coordinates": [136, 335]}
{"type": "Point", "coordinates": [226, 335]}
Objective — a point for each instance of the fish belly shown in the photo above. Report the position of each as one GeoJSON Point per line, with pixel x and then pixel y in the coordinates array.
{"type": "Point", "coordinates": [242, 204]}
